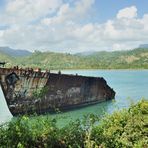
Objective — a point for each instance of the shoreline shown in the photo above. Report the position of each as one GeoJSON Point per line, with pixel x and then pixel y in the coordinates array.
{"type": "Point", "coordinates": [107, 69]}
{"type": "Point", "coordinates": [101, 69]}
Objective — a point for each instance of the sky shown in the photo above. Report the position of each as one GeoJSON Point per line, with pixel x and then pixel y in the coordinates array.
{"type": "Point", "coordinates": [73, 25]}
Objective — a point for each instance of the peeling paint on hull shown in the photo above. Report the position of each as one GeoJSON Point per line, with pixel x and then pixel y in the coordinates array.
{"type": "Point", "coordinates": [29, 91]}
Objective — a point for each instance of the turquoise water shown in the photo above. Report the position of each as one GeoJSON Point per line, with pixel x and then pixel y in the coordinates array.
{"type": "Point", "coordinates": [129, 85]}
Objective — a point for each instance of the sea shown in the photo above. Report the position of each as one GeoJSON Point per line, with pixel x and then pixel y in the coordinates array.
{"type": "Point", "coordinates": [130, 87]}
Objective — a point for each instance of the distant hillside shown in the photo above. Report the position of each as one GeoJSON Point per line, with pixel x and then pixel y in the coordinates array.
{"type": "Point", "coordinates": [15, 52]}
{"type": "Point", "coordinates": [50, 60]}
{"type": "Point", "coordinates": [6, 58]}
{"type": "Point", "coordinates": [131, 59]}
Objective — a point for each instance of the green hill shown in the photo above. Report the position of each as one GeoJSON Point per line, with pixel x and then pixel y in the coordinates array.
{"type": "Point", "coordinates": [50, 60]}
{"type": "Point", "coordinates": [137, 58]}
{"type": "Point", "coordinates": [131, 59]}
{"type": "Point", "coordinates": [6, 58]}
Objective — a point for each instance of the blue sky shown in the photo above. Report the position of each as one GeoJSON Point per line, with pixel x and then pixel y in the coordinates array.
{"type": "Point", "coordinates": [73, 25]}
{"type": "Point", "coordinates": [107, 9]}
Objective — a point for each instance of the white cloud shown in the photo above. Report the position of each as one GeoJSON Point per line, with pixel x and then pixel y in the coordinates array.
{"type": "Point", "coordinates": [129, 12]}
{"type": "Point", "coordinates": [24, 11]}
{"type": "Point", "coordinates": [68, 13]}
{"type": "Point", "coordinates": [121, 46]}
{"type": "Point", "coordinates": [64, 30]}
{"type": "Point", "coordinates": [83, 6]}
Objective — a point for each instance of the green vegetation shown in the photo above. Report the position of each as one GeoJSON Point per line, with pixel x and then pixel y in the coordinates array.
{"type": "Point", "coordinates": [127, 128]}
{"type": "Point", "coordinates": [132, 59]}
{"type": "Point", "coordinates": [40, 92]}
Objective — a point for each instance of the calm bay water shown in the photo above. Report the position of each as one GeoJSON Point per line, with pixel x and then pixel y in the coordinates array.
{"type": "Point", "coordinates": [129, 85]}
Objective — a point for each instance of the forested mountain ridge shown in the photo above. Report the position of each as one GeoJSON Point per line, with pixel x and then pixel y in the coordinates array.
{"type": "Point", "coordinates": [130, 59]}
{"type": "Point", "coordinates": [14, 52]}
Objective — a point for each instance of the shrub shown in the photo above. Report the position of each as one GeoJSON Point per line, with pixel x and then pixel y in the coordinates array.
{"type": "Point", "coordinates": [126, 128]}
{"type": "Point", "coordinates": [26, 132]}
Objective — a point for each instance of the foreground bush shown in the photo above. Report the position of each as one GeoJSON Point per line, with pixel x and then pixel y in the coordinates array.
{"type": "Point", "coordinates": [127, 128]}
{"type": "Point", "coordinates": [26, 132]}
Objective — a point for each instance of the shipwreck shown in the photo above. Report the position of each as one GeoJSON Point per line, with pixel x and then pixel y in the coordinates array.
{"type": "Point", "coordinates": [30, 91]}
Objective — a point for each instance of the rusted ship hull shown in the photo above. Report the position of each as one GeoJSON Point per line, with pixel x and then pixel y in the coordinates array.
{"type": "Point", "coordinates": [28, 91]}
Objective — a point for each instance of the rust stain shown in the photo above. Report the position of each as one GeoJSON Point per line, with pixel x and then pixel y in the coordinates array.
{"type": "Point", "coordinates": [29, 91]}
